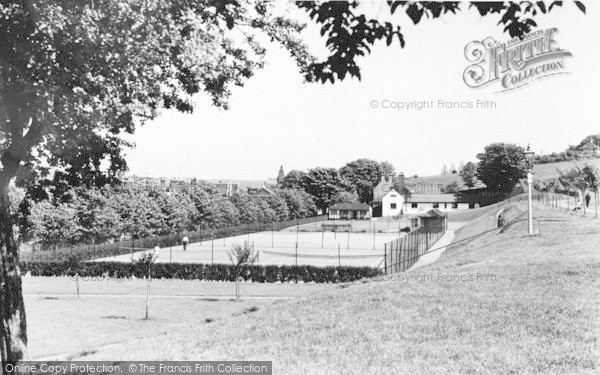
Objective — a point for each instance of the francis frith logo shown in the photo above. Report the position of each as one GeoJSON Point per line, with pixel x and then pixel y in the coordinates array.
{"type": "Point", "coordinates": [514, 63]}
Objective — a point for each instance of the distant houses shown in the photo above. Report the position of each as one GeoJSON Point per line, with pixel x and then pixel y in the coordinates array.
{"type": "Point", "coordinates": [262, 192]}
{"type": "Point", "coordinates": [590, 149]}
{"type": "Point", "coordinates": [391, 198]}
{"type": "Point", "coordinates": [227, 189]}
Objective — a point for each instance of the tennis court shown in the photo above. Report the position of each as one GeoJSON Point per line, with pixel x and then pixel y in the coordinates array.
{"type": "Point", "coordinates": [279, 248]}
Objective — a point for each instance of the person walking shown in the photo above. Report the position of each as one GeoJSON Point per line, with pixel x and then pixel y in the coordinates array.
{"type": "Point", "coordinates": [587, 199]}
{"type": "Point", "coordinates": [185, 242]}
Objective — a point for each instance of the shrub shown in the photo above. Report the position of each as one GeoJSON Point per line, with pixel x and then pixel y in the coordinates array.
{"type": "Point", "coordinates": [213, 272]}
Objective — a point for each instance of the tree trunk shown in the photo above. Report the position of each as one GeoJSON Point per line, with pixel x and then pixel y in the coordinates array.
{"type": "Point", "coordinates": [13, 335]}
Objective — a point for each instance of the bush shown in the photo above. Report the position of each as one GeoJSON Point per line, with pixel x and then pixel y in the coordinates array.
{"type": "Point", "coordinates": [214, 272]}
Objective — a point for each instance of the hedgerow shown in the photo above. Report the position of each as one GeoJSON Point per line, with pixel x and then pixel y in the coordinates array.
{"type": "Point", "coordinates": [213, 272]}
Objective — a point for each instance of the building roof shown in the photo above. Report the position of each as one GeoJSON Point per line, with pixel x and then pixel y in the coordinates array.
{"type": "Point", "coordinates": [261, 191]}
{"type": "Point", "coordinates": [432, 198]}
{"type": "Point", "coordinates": [433, 213]}
{"type": "Point", "coordinates": [589, 146]}
{"type": "Point", "coordinates": [350, 206]}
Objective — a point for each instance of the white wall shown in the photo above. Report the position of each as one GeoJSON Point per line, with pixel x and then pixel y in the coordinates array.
{"type": "Point", "coordinates": [393, 197]}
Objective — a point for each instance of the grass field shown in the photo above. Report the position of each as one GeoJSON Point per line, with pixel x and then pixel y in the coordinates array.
{"type": "Point", "coordinates": [111, 311]}
{"type": "Point", "coordinates": [544, 171]}
{"type": "Point", "coordinates": [500, 303]}
{"type": "Point", "coordinates": [314, 248]}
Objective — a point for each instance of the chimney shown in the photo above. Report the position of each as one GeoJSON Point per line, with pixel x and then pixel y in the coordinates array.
{"type": "Point", "coordinates": [400, 184]}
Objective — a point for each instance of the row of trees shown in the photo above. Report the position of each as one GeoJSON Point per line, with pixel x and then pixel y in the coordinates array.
{"type": "Point", "coordinates": [86, 215]}
{"type": "Point", "coordinates": [580, 179]}
{"type": "Point", "coordinates": [354, 182]}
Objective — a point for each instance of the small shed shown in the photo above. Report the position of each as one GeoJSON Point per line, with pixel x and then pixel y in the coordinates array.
{"type": "Point", "coordinates": [434, 219]}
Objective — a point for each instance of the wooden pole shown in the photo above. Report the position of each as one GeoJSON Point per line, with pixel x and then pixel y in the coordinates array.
{"type": "Point", "coordinates": [348, 243]}
{"type": "Point", "coordinates": [212, 250]}
{"type": "Point", "coordinates": [385, 258]}
{"type": "Point", "coordinates": [339, 257]}
{"type": "Point", "coordinates": [147, 293]}
{"type": "Point", "coordinates": [322, 238]}
{"type": "Point", "coordinates": [77, 283]}
{"type": "Point", "coordinates": [296, 253]}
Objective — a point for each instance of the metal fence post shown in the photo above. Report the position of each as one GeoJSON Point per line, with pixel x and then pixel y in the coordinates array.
{"type": "Point", "coordinates": [385, 258]}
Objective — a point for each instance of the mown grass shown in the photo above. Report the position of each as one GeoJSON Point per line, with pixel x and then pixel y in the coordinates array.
{"type": "Point", "coordinates": [111, 311]}
{"type": "Point", "coordinates": [500, 303]}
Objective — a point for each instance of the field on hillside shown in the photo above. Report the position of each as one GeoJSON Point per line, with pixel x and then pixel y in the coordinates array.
{"type": "Point", "coordinates": [545, 171]}
{"type": "Point", "coordinates": [499, 303]}
{"type": "Point", "coordinates": [279, 248]}
{"type": "Point", "coordinates": [542, 171]}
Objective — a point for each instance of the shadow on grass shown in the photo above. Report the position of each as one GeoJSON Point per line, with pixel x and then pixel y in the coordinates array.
{"type": "Point", "coordinates": [114, 317]}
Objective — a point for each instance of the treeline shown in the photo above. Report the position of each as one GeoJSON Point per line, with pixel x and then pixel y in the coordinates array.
{"type": "Point", "coordinates": [354, 182]}
{"type": "Point", "coordinates": [573, 152]}
{"type": "Point", "coordinates": [86, 215]}
{"type": "Point", "coordinates": [569, 155]}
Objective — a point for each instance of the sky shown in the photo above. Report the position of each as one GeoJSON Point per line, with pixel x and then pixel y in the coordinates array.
{"type": "Point", "coordinates": [276, 119]}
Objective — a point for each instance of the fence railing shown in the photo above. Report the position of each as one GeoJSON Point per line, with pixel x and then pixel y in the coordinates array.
{"type": "Point", "coordinates": [94, 251]}
{"type": "Point", "coordinates": [403, 253]}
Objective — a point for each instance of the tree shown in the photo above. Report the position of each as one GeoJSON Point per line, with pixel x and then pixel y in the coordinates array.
{"type": "Point", "coordinates": [346, 197]}
{"type": "Point", "coordinates": [242, 255]}
{"type": "Point", "coordinates": [350, 33]}
{"type": "Point", "coordinates": [576, 179]}
{"type": "Point", "coordinates": [299, 203]}
{"type": "Point", "coordinates": [364, 175]}
{"type": "Point", "coordinates": [324, 184]}
{"type": "Point", "coordinates": [82, 74]}
{"type": "Point", "coordinates": [444, 170]}
{"type": "Point", "coordinates": [279, 205]}
{"type": "Point", "coordinates": [468, 174]}
{"type": "Point", "coordinates": [294, 180]}
{"type": "Point", "coordinates": [592, 176]}
{"type": "Point", "coordinates": [501, 166]}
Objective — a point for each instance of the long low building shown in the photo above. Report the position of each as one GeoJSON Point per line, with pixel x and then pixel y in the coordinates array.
{"type": "Point", "coordinates": [349, 211]}
{"type": "Point", "coordinates": [417, 203]}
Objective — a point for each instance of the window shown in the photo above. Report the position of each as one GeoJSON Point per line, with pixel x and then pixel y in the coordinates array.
{"type": "Point", "coordinates": [471, 204]}
{"type": "Point", "coordinates": [454, 205]}
{"type": "Point", "coordinates": [413, 205]}
{"type": "Point", "coordinates": [436, 205]}
{"type": "Point", "coordinates": [393, 206]}
{"type": "Point", "coordinates": [393, 195]}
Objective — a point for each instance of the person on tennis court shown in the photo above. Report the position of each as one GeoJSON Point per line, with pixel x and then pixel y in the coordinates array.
{"type": "Point", "coordinates": [185, 242]}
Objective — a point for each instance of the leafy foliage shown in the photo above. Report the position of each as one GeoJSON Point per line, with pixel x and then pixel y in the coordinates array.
{"type": "Point", "coordinates": [350, 34]}
{"type": "Point", "coordinates": [501, 166]}
{"type": "Point", "coordinates": [215, 272]}
{"type": "Point", "coordinates": [243, 254]}
{"type": "Point", "coordinates": [468, 173]}
{"type": "Point", "coordinates": [364, 175]}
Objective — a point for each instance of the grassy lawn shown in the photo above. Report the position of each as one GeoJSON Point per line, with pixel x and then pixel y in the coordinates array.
{"type": "Point", "coordinates": [500, 303]}
{"type": "Point", "coordinates": [111, 311]}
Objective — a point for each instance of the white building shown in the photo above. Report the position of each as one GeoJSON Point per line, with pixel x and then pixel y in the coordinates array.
{"type": "Point", "coordinates": [392, 204]}
{"type": "Point", "coordinates": [419, 203]}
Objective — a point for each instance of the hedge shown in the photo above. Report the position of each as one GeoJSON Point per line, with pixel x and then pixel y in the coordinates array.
{"type": "Point", "coordinates": [214, 272]}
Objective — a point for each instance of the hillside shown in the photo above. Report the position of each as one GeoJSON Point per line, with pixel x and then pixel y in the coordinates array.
{"type": "Point", "coordinates": [545, 171]}
{"type": "Point", "coordinates": [542, 171]}
{"type": "Point", "coordinates": [498, 303]}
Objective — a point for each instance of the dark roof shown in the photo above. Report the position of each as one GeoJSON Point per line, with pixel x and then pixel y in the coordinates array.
{"type": "Point", "coordinates": [432, 198]}
{"type": "Point", "coordinates": [350, 206]}
{"type": "Point", "coordinates": [433, 213]}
